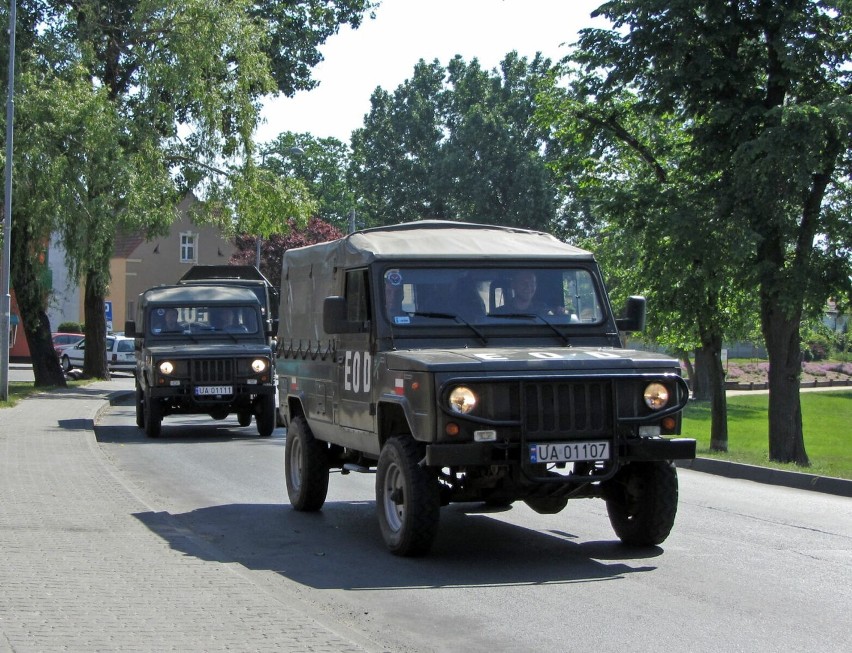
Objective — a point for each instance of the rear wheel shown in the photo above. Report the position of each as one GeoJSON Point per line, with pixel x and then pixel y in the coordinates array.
{"type": "Point", "coordinates": [408, 499]}
{"type": "Point", "coordinates": [66, 364]}
{"type": "Point", "coordinates": [265, 415]}
{"type": "Point", "coordinates": [305, 467]}
{"type": "Point", "coordinates": [244, 418]}
{"type": "Point", "coordinates": [642, 502]}
{"type": "Point", "coordinates": [153, 417]}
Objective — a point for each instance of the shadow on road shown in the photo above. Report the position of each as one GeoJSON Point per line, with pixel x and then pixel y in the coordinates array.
{"type": "Point", "coordinates": [341, 548]}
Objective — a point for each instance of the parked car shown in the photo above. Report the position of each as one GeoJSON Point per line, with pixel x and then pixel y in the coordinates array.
{"type": "Point", "coordinates": [63, 340]}
{"type": "Point", "coordinates": [120, 354]}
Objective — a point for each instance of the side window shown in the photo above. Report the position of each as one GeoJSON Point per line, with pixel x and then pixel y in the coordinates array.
{"type": "Point", "coordinates": [188, 247]}
{"type": "Point", "coordinates": [357, 301]}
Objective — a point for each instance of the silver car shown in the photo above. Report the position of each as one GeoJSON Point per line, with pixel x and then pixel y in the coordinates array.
{"type": "Point", "coordinates": [119, 351]}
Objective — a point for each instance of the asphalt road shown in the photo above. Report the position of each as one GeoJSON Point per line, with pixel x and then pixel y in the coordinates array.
{"type": "Point", "coordinates": [748, 567]}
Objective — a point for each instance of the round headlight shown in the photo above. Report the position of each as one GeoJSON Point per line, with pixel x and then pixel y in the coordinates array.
{"type": "Point", "coordinates": [656, 396]}
{"type": "Point", "coordinates": [258, 365]}
{"type": "Point", "coordinates": [462, 400]}
{"type": "Point", "coordinates": [166, 368]}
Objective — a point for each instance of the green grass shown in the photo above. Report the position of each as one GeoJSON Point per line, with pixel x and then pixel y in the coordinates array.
{"type": "Point", "coordinates": [22, 389]}
{"type": "Point", "coordinates": [826, 421]}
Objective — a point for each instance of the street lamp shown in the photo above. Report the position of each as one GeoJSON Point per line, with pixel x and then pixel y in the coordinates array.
{"type": "Point", "coordinates": [295, 150]}
{"type": "Point", "coordinates": [5, 271]}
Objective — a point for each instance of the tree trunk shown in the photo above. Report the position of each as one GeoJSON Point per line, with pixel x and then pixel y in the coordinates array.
{"type": "Point", "coordinates": [94, 357]}
{"type": "Point", "coordinates": [709, 357]}
{"type": "Point", "coordinates": [781, 333]}
{"type": "Point", "coordinates": [32, 303]}
{"type": "Point", "coordinates": [701, 385]}
{"type": "Point", "coordinates": [685, 361]}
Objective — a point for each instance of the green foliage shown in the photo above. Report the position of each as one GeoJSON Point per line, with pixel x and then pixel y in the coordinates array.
{"type": "Point", "coordinates": [458, 143]}
{"type": "Point", "coordinates": [322, 164]}
{"type": "Point", "coordinates": [70, 327]}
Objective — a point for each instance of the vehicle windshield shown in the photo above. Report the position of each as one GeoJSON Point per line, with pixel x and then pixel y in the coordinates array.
{"type": "Point", "coordinates": [171, 320]}
{"type": "Point", "coordinates": [491, 295]}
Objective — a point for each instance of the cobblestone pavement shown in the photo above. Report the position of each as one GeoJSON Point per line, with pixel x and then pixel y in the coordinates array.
{"type": "Point", "coordinates": [78, 572]}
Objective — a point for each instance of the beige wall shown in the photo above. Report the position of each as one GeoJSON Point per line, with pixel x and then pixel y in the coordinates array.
{"type": "Point", "coordinates": [158, 261]}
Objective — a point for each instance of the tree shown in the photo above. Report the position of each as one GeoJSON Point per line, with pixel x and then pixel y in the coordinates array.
{"type": "Point", "coordinates": [647, 209]}
{"type": "Point", "coordinates": [177, 86]}
{"type": "Point", "coordinates": [762, 89]}
{"type": "Point", "coordinates": [458, 143]}
{"type": "Point", "coordinates": [322, 164]}
{"type": "Point", "coordinates": [273, 247]}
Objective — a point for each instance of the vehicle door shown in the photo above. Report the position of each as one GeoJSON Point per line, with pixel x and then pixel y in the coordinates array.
{"type": "Point", "coordinates": [355, 358]}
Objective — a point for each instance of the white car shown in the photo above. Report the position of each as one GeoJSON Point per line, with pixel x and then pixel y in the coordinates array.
{"type": "Point", "coordinates": [119, 351]}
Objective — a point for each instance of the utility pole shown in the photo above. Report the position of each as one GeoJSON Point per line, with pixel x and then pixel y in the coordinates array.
{"type": "Point", "coordinates": [5, 295]}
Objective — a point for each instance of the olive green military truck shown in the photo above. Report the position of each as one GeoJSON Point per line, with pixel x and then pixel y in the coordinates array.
{"type": "Point", "coordinates": [202, 349]}
{"type": "Point", "coordinates": [472, 363]}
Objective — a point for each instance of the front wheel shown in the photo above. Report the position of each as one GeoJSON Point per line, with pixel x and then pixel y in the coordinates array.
{"type": "Point", "coordinates": [153, 417]}
{"type": "Point", "coordinates": [66, 364]}
{"type": "Point", "coordinates": [265, 417]}
{"type": "Point", "coordinates": [140, 407]}
{"type": "Point", "coordinates": [305, 467]}
{"type": "Point", "coordinates": [408, 499]}
{"type": "Point", "coordinates": [642, 502]}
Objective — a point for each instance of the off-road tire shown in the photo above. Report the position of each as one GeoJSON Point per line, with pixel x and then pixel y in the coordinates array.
{"type": "Point", "coordinates": [641, 501]}
{"type": "Point", "coordinates": [265, 417]}
{"type": "Point", "coordinates": [305, 467]}
{"type": "Point", "coordinates": [153, 417]}
{"type": "Point", "coordinates": [244, 418]}
{"type": "Point", "coordinates": [408, 500]}
{"type": "Point", "coordinates": [140, 407]}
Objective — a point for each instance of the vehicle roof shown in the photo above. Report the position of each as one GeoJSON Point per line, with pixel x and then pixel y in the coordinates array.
{"type": "Point", "coordinates": [232, 272]}
{"type": "Point", "coordinates": [437, 239]}
{"type": "Point", "coordinates": [195, 294]}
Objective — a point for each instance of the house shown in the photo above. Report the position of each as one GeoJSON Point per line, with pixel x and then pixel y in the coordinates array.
{"type": "Point", "coordinates": [137, 265]}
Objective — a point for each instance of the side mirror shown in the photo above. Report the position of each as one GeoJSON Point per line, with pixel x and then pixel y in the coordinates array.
{"type": "Point", "coordinates": [130, 329]}
{"type": "Point", "coordinates": [334, 318]}
{"type": "Point", "coordinates": [634, 318]}
{"type": "Point", "coordinates": [272, 328]}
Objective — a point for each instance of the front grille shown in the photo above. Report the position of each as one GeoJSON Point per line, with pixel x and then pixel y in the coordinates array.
{"type": "Point", "coordinates": [213, 371]}
{"type": "Point", "coordinates": [575, 409]}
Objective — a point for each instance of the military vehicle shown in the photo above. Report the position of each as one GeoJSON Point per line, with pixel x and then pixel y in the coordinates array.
{"type": "Point", "coordinates": [472, 363]}
{"type": "Point", "coordinates": [202, 349]}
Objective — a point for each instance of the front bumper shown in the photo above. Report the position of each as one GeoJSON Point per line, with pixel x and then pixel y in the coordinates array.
{"type": "Point", "coordinates": [493, 453]}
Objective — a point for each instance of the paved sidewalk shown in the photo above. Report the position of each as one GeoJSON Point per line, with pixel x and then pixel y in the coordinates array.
{"type": "Point", "coordinates": [78, 572]}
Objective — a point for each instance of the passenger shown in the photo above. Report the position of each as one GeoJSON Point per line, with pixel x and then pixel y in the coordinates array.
{"type": "Point", "coordinates": [171, 322]}
{"type": "Point", "coordinates": [223, 319]}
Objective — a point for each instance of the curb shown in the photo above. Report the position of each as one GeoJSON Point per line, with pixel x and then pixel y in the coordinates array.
{"type": "Point", "coordinates": [797, 480]}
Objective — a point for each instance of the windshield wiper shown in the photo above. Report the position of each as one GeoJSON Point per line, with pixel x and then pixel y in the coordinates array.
{"type": "Point", "coordinates": [539, 317]}
{"type": "Point", "coordinates": [458, 318]}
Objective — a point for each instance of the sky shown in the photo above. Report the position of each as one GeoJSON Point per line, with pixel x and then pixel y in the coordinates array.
{"type": "Point", "coordinates": [383, 52]}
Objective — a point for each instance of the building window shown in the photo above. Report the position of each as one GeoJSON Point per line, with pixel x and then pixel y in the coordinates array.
{"type": "Point", "coordinates": [188, 247]}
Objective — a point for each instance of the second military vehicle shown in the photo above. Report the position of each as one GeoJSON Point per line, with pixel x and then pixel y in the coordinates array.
{"type": "Point", "coordinates": [202, 349]}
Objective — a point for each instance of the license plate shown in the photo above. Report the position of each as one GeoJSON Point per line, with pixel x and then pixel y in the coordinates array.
{"type": "Point", "coordinates": [208, 390]}
{"type": "Point", "coordinates": [569, 452]}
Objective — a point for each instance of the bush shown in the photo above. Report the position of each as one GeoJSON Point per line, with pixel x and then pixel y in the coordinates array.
{"type": "Point", "coordinates": [70, 327]}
